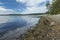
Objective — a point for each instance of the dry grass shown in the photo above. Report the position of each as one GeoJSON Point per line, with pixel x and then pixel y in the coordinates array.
{"type": "Point", "coordinates": [43, 30]}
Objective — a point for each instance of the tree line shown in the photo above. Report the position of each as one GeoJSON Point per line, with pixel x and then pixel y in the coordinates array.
{"type": "Point", "coordinates": [53, 8]}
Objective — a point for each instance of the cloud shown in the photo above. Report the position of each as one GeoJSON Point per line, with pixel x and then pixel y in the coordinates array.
{"type": "Point", "coordinates": [51, 1]}
{"type": "Point", "coordinates": [3, 10]}
{"type": "Point", "coordinates": [35, 10]}
{"type": "Point", "coordinates": [32, 6]}
{"type": "Point", "coordinates": [25, 6]}
{"type": "Point", "coordinates": [31, 2]}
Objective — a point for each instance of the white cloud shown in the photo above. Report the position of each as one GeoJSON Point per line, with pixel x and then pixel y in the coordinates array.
{"type": "Point", "coordinates": [3, 10]}
{"type": "Point", "coordinates": [33, 8]}
{"type": "Point", "coordinates": [51, 1]}
{"type": "Point", "coordinates": [31, 2]}
{"type": "Point", "coordinates": [22, 1]}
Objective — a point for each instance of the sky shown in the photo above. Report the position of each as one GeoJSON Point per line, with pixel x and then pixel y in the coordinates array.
{"type": "Point", "coordinates": [23, 6]}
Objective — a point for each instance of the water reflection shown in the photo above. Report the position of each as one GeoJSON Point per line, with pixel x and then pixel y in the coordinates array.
{"type": "Point", "coordinates": [21, 23]}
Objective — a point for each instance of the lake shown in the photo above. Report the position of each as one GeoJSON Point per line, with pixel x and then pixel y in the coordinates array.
{"type": "Point", "coordinates": [16, 25]}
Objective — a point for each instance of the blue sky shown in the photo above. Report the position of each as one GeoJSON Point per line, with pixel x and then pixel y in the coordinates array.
{"type": "Point", "coordinates": [23, 6]}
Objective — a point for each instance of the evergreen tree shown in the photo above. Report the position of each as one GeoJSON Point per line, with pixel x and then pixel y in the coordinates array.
{"type": "Point", "coordinates": [55, 7]}
{"type": "Point", "coordinates": [48, 6]}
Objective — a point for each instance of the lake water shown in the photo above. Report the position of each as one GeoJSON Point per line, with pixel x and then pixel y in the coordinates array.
{"type": "Point", "coordinates": [16, 25]}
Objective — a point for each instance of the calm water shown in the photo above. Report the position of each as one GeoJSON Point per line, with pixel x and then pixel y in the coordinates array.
{"type": "Point", "coordinates": [16, 24]}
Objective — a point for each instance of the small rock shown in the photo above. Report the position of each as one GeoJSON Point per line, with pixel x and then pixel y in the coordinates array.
{"type": "Point", "coordinates": [52, 24]}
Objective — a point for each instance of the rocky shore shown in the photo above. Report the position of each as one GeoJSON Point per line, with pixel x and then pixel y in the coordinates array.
{"type": "Point", "coordinates": [48, 28]}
